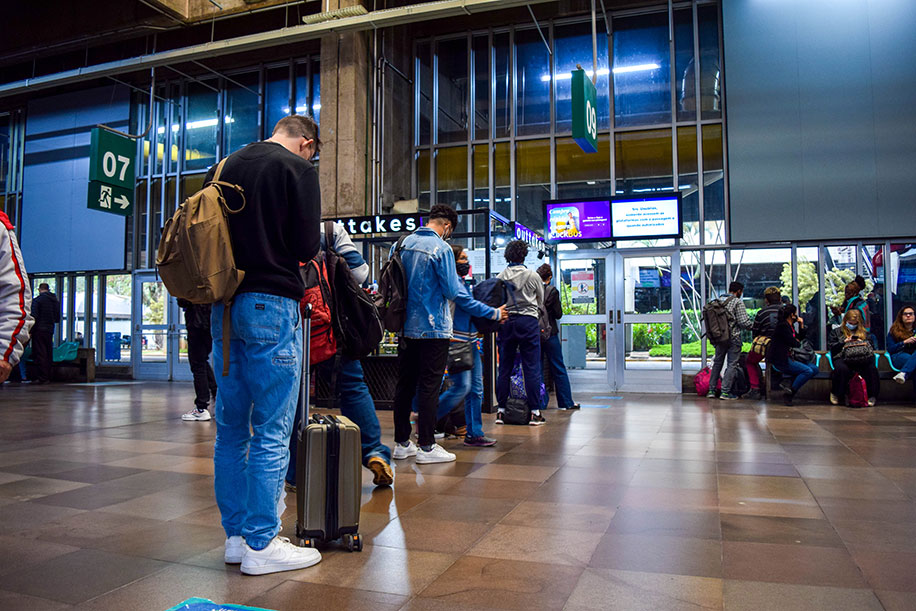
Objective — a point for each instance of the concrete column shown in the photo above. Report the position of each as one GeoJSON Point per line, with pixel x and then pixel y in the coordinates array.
{"type": "Point", "coordinates": [344, 131]}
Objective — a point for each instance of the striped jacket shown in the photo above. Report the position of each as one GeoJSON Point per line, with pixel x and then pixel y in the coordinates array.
{"type": "Point", "coordinates": [15, 296]}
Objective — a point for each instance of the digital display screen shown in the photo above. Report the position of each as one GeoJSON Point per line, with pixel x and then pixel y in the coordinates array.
{"type": "Point", "coordinates": [586, 220]}
{"type": "Point", "coordinates": [646, 217]}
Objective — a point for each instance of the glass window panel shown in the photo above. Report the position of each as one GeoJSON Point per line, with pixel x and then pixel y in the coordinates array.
{"type": "Point", "coordinates": [423, 178]}
{"type": "Point", "coordinates": [141, 212]}
{"type": "Point", "coordinates": [809, 292]}
{"type": "Point", "coordinates": [584, 346]}
{"type": "Point", "coordinates": [716, 283]}
{"type": "Point", "coordinates": [162, 133]}
{"type": "Point", "coordinates": [4, 150]}
{"type": "Point", "coordinates": [481, 176]}
{"type": "Point", "coordinates": [581, 174]}
{"type": "Point", "coordinates": [684, 66]}
{"type": "Point", "coordinates": [757, 269]}
{"type": "Point", "coordinates": [502, 201]}
{"type": "Point", "coordinates": [874, 291]}
{"type": "Point", "coordinates": [573, 45]}
{"type": "Point", "coordinates": [502, 114]}
{"type": "Point", "coordinates": [191, 184]}
{"type": "Point", "coordinates": [532, 62]}
{"type": "Point", "coordinates": [532, 165]}
{"type": "Point", "coordinates": [155, 207]}
{"type": "Point", "coordinates": [647, 285]}
{"type": "Point", "coordinates": [481, 87]}
{"type": "Point", "coordinates": [452, 56]}
{"type": "Point", "coordinates": [713, 184]}
{"type": "Point", "coordinates": [175, 134]}
{"type": "Point", "coordinates": [316, 92]}
{"type": "Point", "coordinates": [648, 346]}
{"type": "Point", "coordinates": [644, 161]}
{"type": "Point", "coordinates": [201, 127]}
{"type": "Point", "coordinates": [304, 89]}
{"type": "Point", "coordinates": [276, 96]}
{"type": "Point", "coordinates": [642, 70]}
{"type": "Point", "coordinates": [573, 274]}
{"type": "Point", "coordinates": [117, 317]}
{"type": "Point", "coordinates": [692, 303]}
{"type": "Point", "coordinates": [168, 203]}
{"type": "Point", "coordinates": [241, 112]}
{"type": "Point", "coordinates": [452, 176]}
{"type": "Point", "coordinates": [688, 184]}
{"type": "Point", "coordinates": [710, 78]}
{"type": "Point", "coordinates": [425, 85]}
{"type": "Point", "coordinates": [900, 265]}
{"type": "Point", "coordinates": [839, 270]}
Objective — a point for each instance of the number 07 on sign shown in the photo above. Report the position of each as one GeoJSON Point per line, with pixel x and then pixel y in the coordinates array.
{"type": "Point", "coordinates": [112, 172]}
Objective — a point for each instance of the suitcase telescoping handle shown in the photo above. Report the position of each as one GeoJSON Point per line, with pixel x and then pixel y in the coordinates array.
{"type": "Point", "coordinates": [306, 357]}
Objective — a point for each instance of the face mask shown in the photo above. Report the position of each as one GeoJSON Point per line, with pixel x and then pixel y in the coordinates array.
{"type": "Point", "coordinates": [463, 269]}
{"type": "Point", "coordinates": [851, 326]}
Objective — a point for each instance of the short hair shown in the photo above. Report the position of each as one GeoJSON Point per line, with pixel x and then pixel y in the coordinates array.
{"type": "Point", "coordinates": [44, 286]}
{"type": "Point", "coordinates": [772, 295]}
{"type": "Point", "coordinates": [445, 213]}
{"type": "Point", "coordinates": [734, 287]}
{"type": "Point", "coordinates": [860, 281]}
{"type": "Point", "coordinates": [457, 249]}
{"type": "Point", "coordinates": [545, 271]}
{"type": "Point", "coordinates": [299, 126]}
{"type": "Point", "coordinates": [516, 251]}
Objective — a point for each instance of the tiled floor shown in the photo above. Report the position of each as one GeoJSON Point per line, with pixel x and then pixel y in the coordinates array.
{"type": "Point", "coordinates": [641, 502]}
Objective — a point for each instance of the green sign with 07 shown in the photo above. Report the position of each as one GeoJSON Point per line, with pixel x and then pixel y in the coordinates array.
{"type": "Point", "coordinates": [584, 112]}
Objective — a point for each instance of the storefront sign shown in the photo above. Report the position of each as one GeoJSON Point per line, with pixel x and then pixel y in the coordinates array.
{"type": "Point", "coordinates": [583, 286]}
{"type": "Point", "coordinates": [381, 224]}
{"type": "Point", "coordinates": [526, 234]}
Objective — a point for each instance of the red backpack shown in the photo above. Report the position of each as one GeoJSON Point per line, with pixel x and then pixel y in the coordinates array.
{"type": "Point", "coordinates": [323, 342]}
{"type": "Point", "coordinates": [858, 392]}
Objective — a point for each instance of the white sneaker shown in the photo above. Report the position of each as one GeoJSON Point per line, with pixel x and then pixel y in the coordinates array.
{"type": "Point", "coordinates": [402, 452]}
{"type": "Point", "coordinates": [436, 454]}
{"type": "Point", "coordinates": [196, 414]}
{"type": "Point", "coordinates": [235, 550]}
{"type": "Point", "coordinates": [900, 378]}
{"type": "Point", "coordinates": [279, 555]}
{"type": "Point", "coordinates": [834, 400]}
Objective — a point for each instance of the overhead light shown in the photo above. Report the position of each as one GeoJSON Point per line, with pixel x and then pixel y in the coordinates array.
{"type": "Point", "coordinates": [635, 68]}
{"type": "Point", "coordinates": [565, 76]}
{"type": "Point", "coordinates": [198, 124]}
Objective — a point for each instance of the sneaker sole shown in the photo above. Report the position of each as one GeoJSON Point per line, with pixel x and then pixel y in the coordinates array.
{"type": "Point", "coordinates": [480, 445]}
{"type": "Point", "coordinates": [382, 476]}
{"type": "Point", "coordinates": [233, 559]}
{"type": "Point", "coordinates": [404, 456]}
{"type": "Point", "coordinates": [428, 461]}
{"type": "Point", "coordinates": [193, 419]}
{"type": "Point", "coordinates": [267, 569]}
{"type": "Point", "coordinates": [536, 423]}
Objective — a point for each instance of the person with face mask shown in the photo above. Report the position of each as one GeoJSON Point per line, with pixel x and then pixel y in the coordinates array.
{"type": "Point", "coordinates": [848, 361]}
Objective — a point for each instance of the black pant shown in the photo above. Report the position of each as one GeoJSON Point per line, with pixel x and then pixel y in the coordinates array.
{"type": "Point", "coordinates": [520, 335]}
{"type": "Point", "coordinates": [43, 353]}
{"type": "Point", "coordinates": [422, 364]}
{"type": "Point", "coordinates": [843, 371]}
{"type": "Point", "coordinates": [199, 346]}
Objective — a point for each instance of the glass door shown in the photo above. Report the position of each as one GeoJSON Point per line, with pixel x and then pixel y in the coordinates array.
{"type": "Point", "coordinates": [647, 322]}
{"type": "Point", "coordinates": [158, 340]}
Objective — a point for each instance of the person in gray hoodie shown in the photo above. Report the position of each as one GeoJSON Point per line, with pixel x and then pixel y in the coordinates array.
{"type": "Point", "coordinates": [521, 332]}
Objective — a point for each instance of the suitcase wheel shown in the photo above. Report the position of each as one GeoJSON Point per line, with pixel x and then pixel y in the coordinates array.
{"type": "Point", "coordinates": [353, 542]}
{"type": "Point", "coordinates": [309, 542]}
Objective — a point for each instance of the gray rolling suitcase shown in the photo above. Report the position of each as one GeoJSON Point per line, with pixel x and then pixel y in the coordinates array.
{"type": "Point", "coordinates": [328, 471]}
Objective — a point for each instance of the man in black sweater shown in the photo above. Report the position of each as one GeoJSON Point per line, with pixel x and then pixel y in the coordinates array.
{"type": "Point", "coordinates": [277, 228]}
{"type": "Point", "coordinates": [46, 312]}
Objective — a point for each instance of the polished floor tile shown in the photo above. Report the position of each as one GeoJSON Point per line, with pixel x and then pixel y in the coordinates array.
{"type": "Point", "coordinates": [653, 502]}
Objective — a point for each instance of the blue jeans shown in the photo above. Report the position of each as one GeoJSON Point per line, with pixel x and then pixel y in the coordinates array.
{"type": "Point", "coordinates": [467, 385]}
{"type": "Point", "coordinates": [554, 352]}
{"type": "Point", "coordinates": [520, 333]}
{"type": "Point", "coordinates": [254, 411]}
{"type": "Point", "coordinates": [802, 372]}
{"type": "Point", "coordinates": [355, 403]}
{"type": "Point", "coordinates": [906, 363]}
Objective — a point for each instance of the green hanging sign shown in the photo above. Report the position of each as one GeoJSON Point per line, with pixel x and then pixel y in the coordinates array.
{"type": "Point", "coordinates": [584, 113]}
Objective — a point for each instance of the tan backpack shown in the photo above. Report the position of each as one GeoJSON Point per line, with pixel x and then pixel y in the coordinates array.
{"type": "Point", "coordinates": [195, 257]}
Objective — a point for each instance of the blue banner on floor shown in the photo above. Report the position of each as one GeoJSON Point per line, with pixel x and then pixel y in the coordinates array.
{"type": "Point", "coordinates": [203, 604]}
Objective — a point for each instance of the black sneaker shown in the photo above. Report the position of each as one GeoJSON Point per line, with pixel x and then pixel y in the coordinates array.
{"type": "Point", "coordinates": [787, 397]}
{"type": "Point", "coordinates": [499, 417]}
{"type": "Point", "coordinates": [753, 395]}
{"type": "Point", "coordinates": [537, 420]}
{"type": "Point", "coordinates": [573, 406]}
{"type": "Point", "coordinates": [479, 442]}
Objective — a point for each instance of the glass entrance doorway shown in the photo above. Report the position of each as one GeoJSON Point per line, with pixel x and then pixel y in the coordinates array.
{"type": "Point", "coordinates": [159, 340]}
{"type": "Point", "coordinates": [621, 320]}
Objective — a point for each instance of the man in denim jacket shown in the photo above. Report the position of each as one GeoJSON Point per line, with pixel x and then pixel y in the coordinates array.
{"type": "Point", "coordinates": [423, 350]}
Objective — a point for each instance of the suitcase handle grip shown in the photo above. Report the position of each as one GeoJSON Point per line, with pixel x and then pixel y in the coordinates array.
{"type": "Point", "coordinates": [306, 356]}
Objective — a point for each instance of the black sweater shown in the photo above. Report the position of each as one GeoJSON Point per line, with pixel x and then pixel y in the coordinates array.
{"type": "Point", "coordinates": [46, 311]}
{"type": "Point", "coordinates": [279, 226]}
{"type": "Point", "coordinates": [784, 338]}
{"type": "Point", "coordinates": [553, 307]}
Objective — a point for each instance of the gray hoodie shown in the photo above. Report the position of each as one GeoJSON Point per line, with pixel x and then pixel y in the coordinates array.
{"type": "Point", "coordinates": [529, 290]}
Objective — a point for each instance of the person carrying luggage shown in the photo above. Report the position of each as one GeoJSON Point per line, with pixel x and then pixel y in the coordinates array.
{"type": "Point", "coordinates": [256, 402]}
{"type": "Point", "coordinates": [852, 350]}
{"type": "Point", "coordinates": [728, 351]}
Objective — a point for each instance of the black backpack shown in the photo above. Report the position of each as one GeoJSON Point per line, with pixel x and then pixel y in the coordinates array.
{"type": "Point", "coordinates": [391, 300]}
{"type": "Point", "coordinates": [718, 320]}
{"type": "Point", "coordinates": [357, 325]}
{"type": "Point", "coordinates": [494, 292]}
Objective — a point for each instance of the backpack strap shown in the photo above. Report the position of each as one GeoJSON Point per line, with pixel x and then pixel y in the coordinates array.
{"type": "Point", "coordinates": [238, 189]}
{"type": "Point", "coordinates": [329, 235]}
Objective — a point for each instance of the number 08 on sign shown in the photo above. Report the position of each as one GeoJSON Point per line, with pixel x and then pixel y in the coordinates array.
{"type": "Point", "coordinates": [584, 112]}
{"type": "Point", "coordinates": [112, 172]}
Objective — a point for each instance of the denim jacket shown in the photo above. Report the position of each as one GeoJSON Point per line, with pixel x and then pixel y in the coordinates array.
{"type": "Point", "coordinates": [431, 284]}
{"type": "Point", "coordinates": [466, 307]}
